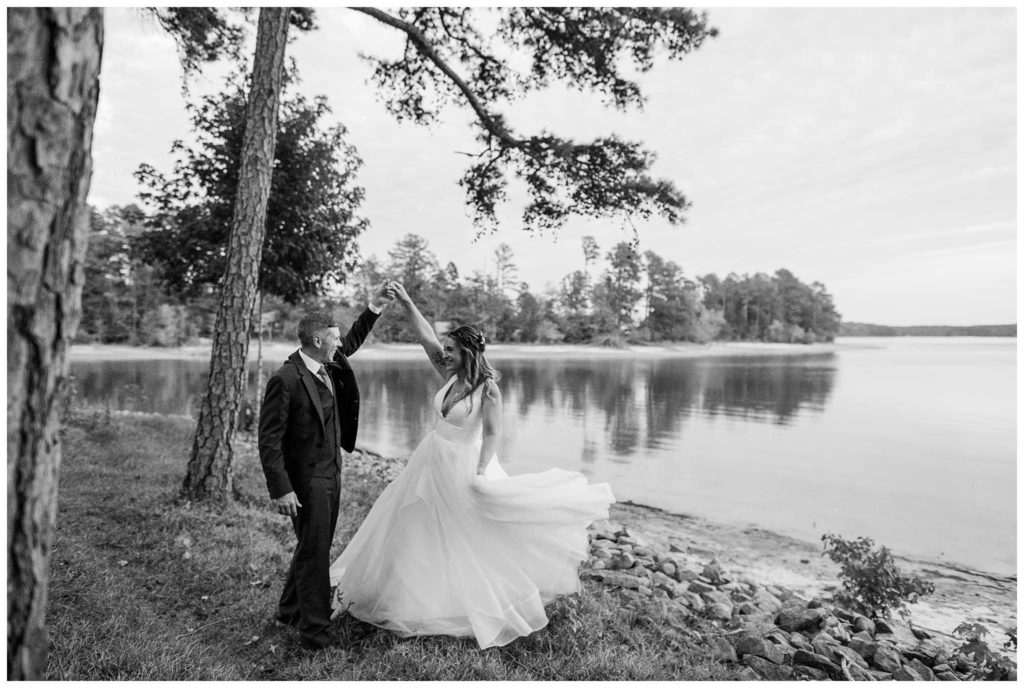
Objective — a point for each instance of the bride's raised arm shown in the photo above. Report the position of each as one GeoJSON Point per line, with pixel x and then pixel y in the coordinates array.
{"type": "Point", "coordinates": [424, 332]}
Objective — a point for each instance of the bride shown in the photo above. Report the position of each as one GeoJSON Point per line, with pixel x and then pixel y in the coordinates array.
{"type": "Point", "coordinates": [455, 546]}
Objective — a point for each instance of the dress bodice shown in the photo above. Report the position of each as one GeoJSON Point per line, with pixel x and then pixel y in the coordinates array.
{"type": "Point", "coordinates": [464, 423]}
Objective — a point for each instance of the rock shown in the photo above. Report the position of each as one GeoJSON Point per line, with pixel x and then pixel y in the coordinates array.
{"type": "Point", "coordinates": [798, 640]}
{"type": "Point", "coordinates": [864, 624]}
{"type": "Point", "coordinates": [921, 669]}
{"type": "Point", "coordinates": [622, 561]}
{"type": "Point", "coordinates": [864, 635]}
{"type": "Point", "coordinates": [713, 571]}
{"type": "Point", "coordinates": [906, 673]}
{"type": "Point", "coordinates": [859, 674]}
{"type": "Point", "coordinates": [749, 645]}
{"type": "Point", "coordinates": [684, 575]}
{"type": "Point", "coordinates": [887, 658]}
{"type": "Point", "coordinates": [823, 645]}
{"type": "Point", "coordinates": [722, 650]}
{"type": "Point", "coordinates": [719, 611]}
{"type": "Point", "coordinates": [668, 568]}
{"type": "Point", "coordinates": [946, 676]}
{"type": "Point", "coordinates": [749, 674]}
{"type": "Point", "coordinates": [793, 618]}
{"type": "Point", "coordinates": [839, 634]}
{"type": "Point", "coordinates": [695, 601]}
{"type": "Point", "coordinates": [815, 603]}
{"type": "Point", "coordinates": [738, 595]}
{"type": "Point", "coordinates": [620, 579]}
{"type": "Point", "coordinates": [641, 551]}
{"type": "Point", "coordinates": [807, 673]}
{"type": "Point", "coordinates": [882, 626]}
{"type": "Point", "coordinates": [645, 590]}
{"type": "Point", "coordinates": [768, 670]}
{"type": "Point", "coordinates": [767, 601]}
{"type": "Point", "coordinates": [816, 661]}
{"type": "Point", "coordinates": [716, 597]}
{"type": "Point", "coordinates": [844, 614]}
{"type": "Point", "coordinates": [673, 547]}
{"type": "Point", "coordinates": [599, 565]}
{"type": "Point", "coordinates": [749, 609]}
{"type": "Point", "coordinates": [700, 587]}
{"type": "Point", "coordinates": [626, 540]}
{"type": "Point", "coordinates": [850, 655]}
{"type": "Point", "coordinates": [864, 648]}
{"type": "Point", "coordinates": [660, 580]}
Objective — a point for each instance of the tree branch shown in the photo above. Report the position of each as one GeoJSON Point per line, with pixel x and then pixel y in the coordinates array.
{"type": "Point", "coordinates": [490, 123]}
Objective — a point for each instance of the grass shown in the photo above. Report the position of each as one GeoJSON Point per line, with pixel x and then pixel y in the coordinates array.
{"type": "Point", "coordinates": [144, 586]}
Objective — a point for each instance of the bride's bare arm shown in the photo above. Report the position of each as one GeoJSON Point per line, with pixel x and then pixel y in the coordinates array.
{"type": "Point", "coordinates": [424, 332]}
{"type": "Point", "coordinates": [491, 412]}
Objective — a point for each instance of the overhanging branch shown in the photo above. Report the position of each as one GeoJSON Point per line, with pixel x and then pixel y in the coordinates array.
{"type": "Point", "coordinates": [490, 123]}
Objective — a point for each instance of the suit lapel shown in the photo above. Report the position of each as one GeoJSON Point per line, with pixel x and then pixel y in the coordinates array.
{"type": "Point", "coordinates": [310, 385]}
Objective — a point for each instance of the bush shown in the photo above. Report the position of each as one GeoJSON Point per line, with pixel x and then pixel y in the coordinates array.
{"type": "Point", "coordinates": [985, 664]}
{"type": "Point", "coordinates": [872, 584]}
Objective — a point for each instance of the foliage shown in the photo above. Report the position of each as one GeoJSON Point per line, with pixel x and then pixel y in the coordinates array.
{"type": "Point", "coordinates": [985, 663]}
{"type": "Point", "coordinates": [311, 214]}
{"type": "Point", "coordinates": [667, 305]}
{"type": "Point", "coordinates": [208, 34]}
{"type": "Point", "coordinates": [583, 47]}
{"type": "Point", "coordinates": [145, 587]}
{"type": "Point", "coordinates": [872, 583]}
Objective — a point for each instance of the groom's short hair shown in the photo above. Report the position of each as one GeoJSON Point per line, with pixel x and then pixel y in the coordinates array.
{"type": "Point", "coordinates": [312, 323]}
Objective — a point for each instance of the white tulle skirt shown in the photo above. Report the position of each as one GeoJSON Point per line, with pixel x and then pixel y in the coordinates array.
{"type": "Point", "coordinates": [446, 552]}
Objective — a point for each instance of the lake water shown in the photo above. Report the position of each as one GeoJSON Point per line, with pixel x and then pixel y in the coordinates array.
{"type": "Point", "coordinates": [910, 441]}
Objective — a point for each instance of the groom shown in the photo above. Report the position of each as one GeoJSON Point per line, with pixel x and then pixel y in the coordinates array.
{"type": "Point", "coordinates": [310, 413]}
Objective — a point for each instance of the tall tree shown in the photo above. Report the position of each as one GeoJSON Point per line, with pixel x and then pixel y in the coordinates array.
{"type": "Point", "coordinates": [209, 467]}
{"type": "Point", "coordinates": [505, 267]}
{"type": "Point", "coordinates": [311, 222]}
{"type": "Point", "coordinates": [621, 287]}
{"type": "Point", "coordinates": [53, 64]}
{"type": "Point", "coordinates": [591, 252]}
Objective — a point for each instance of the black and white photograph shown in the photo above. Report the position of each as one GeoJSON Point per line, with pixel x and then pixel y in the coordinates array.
{"type": "Point", "coordinates": [512, 343]}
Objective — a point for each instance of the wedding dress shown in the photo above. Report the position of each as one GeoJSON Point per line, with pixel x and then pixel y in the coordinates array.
{"type": "Point", "coordinates": [444, 551]}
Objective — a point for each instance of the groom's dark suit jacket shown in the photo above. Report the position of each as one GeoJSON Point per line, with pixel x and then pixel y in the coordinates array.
{"type": "Point", "coordinates": [296, 439]}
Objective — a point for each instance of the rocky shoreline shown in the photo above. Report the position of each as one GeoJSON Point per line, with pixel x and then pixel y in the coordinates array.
{"type": "Point", "coordinates": [773, 632]}
{"type": "Point", "coordinates": [770, 596]}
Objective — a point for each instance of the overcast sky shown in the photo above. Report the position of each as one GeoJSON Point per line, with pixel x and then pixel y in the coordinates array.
{"type": "Point", "coordinates": [872, 150]}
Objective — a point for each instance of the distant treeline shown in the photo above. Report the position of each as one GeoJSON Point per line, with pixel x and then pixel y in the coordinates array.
{"type": "Point", "coordinates": [852, 329]}
{"type": "Point", "coordinates": [138, 290]}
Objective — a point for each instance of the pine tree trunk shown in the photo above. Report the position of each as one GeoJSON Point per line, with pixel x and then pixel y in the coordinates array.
{"type": "Point", "coordinates": [53, 64]}
{"type": "Point", "coordinates": [209, 467]}
{"type": "Point", "coordinates": [259, 365]}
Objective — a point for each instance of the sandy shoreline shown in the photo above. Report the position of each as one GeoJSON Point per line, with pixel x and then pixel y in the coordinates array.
{"type": "Point", "coordinates": [280, 350]}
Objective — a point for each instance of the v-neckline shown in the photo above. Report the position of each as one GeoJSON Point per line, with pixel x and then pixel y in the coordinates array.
{"type": "Point", "coordinates": [450, 385]}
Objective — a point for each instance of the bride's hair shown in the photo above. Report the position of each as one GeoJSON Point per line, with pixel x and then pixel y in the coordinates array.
{"type": "Point", "coordinates": [478, 370]}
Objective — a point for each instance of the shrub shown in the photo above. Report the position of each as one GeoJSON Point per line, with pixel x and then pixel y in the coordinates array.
{"type": "Point", "coordinates": [871, 581]}
{"type": "Point", "coordinates": [985, 664]}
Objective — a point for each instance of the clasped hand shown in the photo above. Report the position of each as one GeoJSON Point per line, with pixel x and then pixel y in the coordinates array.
{"type": "Point", "coordinates": [287, 505]}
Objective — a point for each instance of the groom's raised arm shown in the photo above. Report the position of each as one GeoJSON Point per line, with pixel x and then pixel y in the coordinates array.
{"type": "Point", "coordinates": [356, 334]}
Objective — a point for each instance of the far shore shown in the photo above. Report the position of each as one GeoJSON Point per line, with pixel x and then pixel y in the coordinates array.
{"type": "Point", "coordinates": [278, 351]}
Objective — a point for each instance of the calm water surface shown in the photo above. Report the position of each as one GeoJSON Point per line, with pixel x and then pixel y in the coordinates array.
{"type": "Point", "coordinates": [910, 441]}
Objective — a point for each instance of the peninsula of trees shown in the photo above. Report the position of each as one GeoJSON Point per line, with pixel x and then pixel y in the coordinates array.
{"type": "Point", "coordinates": [137, 295]}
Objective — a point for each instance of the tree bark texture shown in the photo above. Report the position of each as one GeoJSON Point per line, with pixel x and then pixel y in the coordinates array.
{"type": "Point", "coordinates": [209, 468]}
{"type": "Point", "coordinates": [53, 64]}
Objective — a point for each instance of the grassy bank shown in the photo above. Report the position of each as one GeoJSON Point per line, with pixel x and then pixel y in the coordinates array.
{"type": "Point", "coordinates": [143, 586]}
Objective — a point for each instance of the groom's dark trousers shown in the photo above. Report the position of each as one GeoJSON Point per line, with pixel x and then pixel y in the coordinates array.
{"type": "Point", "coordinates": [303, 427]}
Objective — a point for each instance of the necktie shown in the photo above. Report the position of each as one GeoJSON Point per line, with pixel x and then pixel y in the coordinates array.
{"type": "Point", "coordinates": [322, 374]}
